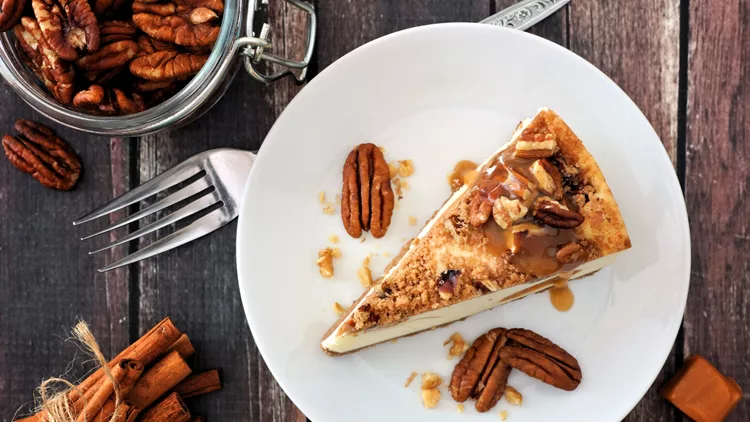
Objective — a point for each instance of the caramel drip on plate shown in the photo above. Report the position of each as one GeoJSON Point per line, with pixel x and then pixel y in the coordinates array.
{"type": "Point", "coordinates": [463, 173]}
{"type": "Point", "coordinates": [561, 296]}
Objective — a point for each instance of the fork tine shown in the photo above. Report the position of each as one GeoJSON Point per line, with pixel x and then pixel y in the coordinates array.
{"type": "Point", "coordinates": [194, 230]}
{"type": "Point", "coordinates": [169, 178]}
{"type": "Point", "coordinates": [182, 194]}
{"type": "Point", "coordinates": [198, 205]}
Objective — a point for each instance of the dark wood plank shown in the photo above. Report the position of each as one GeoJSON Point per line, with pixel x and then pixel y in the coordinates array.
{"type": "Point", "coordinates": [197, 284]}
{"type": "Point", "coordinates": [717, 185]}
{"type": "Point", "coordinates": [46, 277]}
{"type": "Point", "coordinates": [636, 43]}
{"type": "Point", "coordinates": [345, 25]}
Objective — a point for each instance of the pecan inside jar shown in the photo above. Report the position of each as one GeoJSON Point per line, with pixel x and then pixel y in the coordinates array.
{"type": "Point", "coordinates": [37, 150]}
{"type": "Point", "coordinates": [188, 23]}
{"type": "Point", "coordinates": [367, 199]}
{"type": "Point", "coordinates": [10, 13]}
{"type": "Point", "coordinates": [69, 26]}
{"type": "Point", "coordinates": [58, 76]}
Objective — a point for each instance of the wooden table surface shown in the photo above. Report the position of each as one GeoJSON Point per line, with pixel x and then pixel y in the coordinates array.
{"type": "Point", "coordinates": [686, 63]}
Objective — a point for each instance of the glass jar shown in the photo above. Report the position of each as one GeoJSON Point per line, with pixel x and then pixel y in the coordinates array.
{"type": "Point", "coordinates": [197, 97]}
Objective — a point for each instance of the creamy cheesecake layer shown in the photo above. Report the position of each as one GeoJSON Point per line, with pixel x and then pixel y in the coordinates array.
{"type": "Point", "coordinates": [346, 343]}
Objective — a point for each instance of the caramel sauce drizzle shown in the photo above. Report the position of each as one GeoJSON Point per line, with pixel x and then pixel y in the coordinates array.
{"type": "Point", "coordinates": [532, 245]}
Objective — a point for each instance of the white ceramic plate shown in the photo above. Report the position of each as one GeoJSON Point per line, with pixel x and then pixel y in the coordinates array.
{"type": "Point", "coordinates": [435, 95]}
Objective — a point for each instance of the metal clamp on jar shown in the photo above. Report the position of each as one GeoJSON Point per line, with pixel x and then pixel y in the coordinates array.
{"type": "Point", "coordinates": [237, 39]}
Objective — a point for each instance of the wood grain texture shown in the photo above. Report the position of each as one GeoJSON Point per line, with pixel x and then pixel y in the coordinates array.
{"type": "Point", "coordinates": [345, 25]}
{"type": "Point", "coordinates": [47, 279]}
{"type": "Point", "coordinates": [717, 187]}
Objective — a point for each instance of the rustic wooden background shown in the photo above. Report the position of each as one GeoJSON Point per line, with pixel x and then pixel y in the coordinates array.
{"type": "Point", "coordinates": [686, 63]}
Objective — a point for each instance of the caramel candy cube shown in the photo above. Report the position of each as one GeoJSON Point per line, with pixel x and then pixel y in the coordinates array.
{"type": "Point", "coordinates": [701, 391]}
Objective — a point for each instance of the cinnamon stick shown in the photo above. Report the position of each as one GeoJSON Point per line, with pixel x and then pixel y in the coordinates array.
{"type": "Point", "coordinates": [171, 409]}
{"type": "Point", "coordinates": [145, 350]}
{"type": "Point", "coordinates": [102, 395]}
{"type": "Point", "coordinates": [124, 411]}
{"type": "Point", "coordinates": [132, 374]}
{"type": "Point", "coordinates": [183, 346]}
{"type": "Point", "coordinates": [198, 384]}
{"type": "Point", "coordinates": [157, 380]}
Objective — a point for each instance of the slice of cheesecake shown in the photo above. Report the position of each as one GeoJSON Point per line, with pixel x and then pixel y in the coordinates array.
{"type": "Point", "coordinates": [538, 212]}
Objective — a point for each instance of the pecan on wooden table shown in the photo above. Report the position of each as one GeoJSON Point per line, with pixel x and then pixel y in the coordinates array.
{"type": "Point", "coordinates": [37, 150]}
{"type": "Point", "coordinates": [367, 199]}
{"type": "Point", "coordinates": [10, 13]}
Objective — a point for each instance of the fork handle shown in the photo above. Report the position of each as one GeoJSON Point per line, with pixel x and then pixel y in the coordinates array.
{"type": "Point", "coordinates": [525, 14]}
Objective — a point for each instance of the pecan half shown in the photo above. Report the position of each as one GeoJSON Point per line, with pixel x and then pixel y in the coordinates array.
{"type": "Point", "coordinates": [189, 23]}
{"type": "Point", "coordinates": [367, 196]}
{"type": "Point", "coordinates": [108, 57]}
{"type": "Point", "coordinates": [113, 31]}
{"type": "Point", "coordinates": [39, 151]}
{"type": "Point", "coordinates": [58, 76]}
{"type": "Point", "coordinates": [108, 101]}
{"type": "Point", "coordinates": [540, 358]}
{"type": "Point", "coordinates": [554, 214]}
{"type": "Point", "coordinates": [167, 65]}
{"type": "Point", "coordinates": [69, 26]}
{"type": "Point", "coordinates": [493, 392]}
{"type": "Point", "coordinates": [478, 360]}
{"type": "Point", "coordinates": [10, 13]}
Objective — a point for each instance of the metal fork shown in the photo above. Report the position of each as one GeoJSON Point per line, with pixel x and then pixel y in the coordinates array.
{"type": "Point", "coordinates": [225, 172]}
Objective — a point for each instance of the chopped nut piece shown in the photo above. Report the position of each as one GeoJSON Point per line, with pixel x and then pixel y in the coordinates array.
{"type": "Point", "coordinates": [333, 239]}
{"type": "Point", "coordinates": [430, 398]}
{"type": "Point", "coordinates": [503, 414]}
{"type": "Point", "coordinates": [548, 177]}
{"type": "Point", "coordinates": [393, 168]}
{"type": "Point", "coordinates": [337, 252]}
{"type": "Point", "coordinates": [412, 220]}
{"type": "Point", "coordinates": [500, 214]}
{"type": "Point", "coordinates": [410, 379]}
{"type": "Point", "coordinates": [406, 169]}
{"type": "Point", "coordinates": [322, 197]}
{"type": "Point", "coordinates": [458, 347]}
{"type": "Point", "coordinates": [404, 184]}
{"type": "Point", "coordinates": [338, 308]}
{"type": "Point", "coordinates": [329, 210]}
{"type": "Point", "coordinates": [460, 408]}
{"type": "Point", "coordinates": [364, 273]}
{"type": "Point", "coordinates": [430, 380]}
{"type": "Point", "coordinates": [325, 262]}
{"type": "Point", "coordinates": [507, 211]}
{"type": "Point", "coordinates": [513, 396]}
{"type": "Point", "coordinates": [538, 147]}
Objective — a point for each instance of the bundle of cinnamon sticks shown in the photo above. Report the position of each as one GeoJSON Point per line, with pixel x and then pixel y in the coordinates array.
{"type": "Point", "coordinates": [152, 377]}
